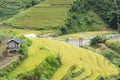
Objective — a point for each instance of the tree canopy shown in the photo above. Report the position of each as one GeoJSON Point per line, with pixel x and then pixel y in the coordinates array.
{"type": "Point", "coordinates": [80, 18]}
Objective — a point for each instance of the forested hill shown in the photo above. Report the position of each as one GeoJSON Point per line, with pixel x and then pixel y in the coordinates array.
{"type": "Point", "coordinates": [8, 8]}
{"type": "Point", "coordinates": [87, 15]}
{"type": "Point", "coordinates": [83, 15]}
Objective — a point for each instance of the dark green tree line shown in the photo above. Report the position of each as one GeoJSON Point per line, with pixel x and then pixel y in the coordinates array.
{"type": "Point", "coordinates": [8, 8]}
{"type": "Point", "coordinates": [79, 18]}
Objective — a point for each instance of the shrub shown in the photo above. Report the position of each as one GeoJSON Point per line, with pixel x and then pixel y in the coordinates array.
{"type": "Point", "coordinates": [24, 48]}
{"type": "Point", "coordinates": [1, 36]}
{"type": "Point", "coordinates": [98, 39]}
{"type": "Point", "coordinates": [25, 44]}
{"type": "Point", "coordinates": [28, 41]}
{"type": "Point", "coordinates": [44, 71]}
{"type": "Point", "coordinates": [4, 72]}
{"type": "Point", "coordinates": [114, 44]}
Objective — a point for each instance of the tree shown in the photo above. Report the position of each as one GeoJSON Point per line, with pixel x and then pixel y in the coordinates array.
{"type": "Point", "coordinates": [114, 19]}
{"type": "Point", "coordinates": [119, 27]}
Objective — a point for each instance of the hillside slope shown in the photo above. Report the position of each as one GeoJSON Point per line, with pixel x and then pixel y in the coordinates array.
{"type": "Point", "coordinates": [8, 8]}
{"type": "Point", "coordinates": [49, 13]}
{"type": "Point", "coordinates": [94, 65]}
{"type": "Point", "coordinates": [85, 15]}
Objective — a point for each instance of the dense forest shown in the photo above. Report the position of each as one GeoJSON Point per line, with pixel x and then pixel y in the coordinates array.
{"type": "Point", "coordinates": [8, 8]}
{"type": "Point", "coordinates": [80, 17]}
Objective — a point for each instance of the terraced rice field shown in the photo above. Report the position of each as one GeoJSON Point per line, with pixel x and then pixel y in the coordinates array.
{"type": "Point", "coordinates": [86, 34]}
{"type": "Point", "coordinates": [114, 45]}
{"type": "Point", "coordinates": [23, 31]}
{"type": "Point", "coordinates": [94, 65]}
{"type": "Point", "coordinates": [49, 13]}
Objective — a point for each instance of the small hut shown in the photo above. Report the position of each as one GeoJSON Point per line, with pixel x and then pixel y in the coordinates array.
{"type": "Point", "coordinates": [14, 44]}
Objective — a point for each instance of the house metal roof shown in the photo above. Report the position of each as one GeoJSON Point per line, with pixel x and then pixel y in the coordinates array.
{"type": "Point", "coordinates": [15, 39]}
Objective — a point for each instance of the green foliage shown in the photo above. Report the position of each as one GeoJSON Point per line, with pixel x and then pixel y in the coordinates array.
{"type": "Point", "coordinates": [24, 48]}
{"type": "Point", "coordinates": [114, 77]}
{"type": "Point", "coordinates": [25, 44]}
{"type": "Point", "coordinates": [11, 34]}
{"type": "Point", "coordinates": [4, 72]}
{"type": "Point", "coordinates": [8, 8]}
{"type": "Point", "coordinates": [98, 39]}
{"type": "Point", "coordinates": [28, 41]}
{"type": "Point", "coordinates": [107, 10]}
{"type": "Point", "coordinates": [1, 36]}
{"type": "Point", "coordinates": [119, 27]}
{"type": "Point", "coordinates": [80, 17]}
{"type": "Point", "coordinates": [44, 71]}
{"type": "Point", "coordinates": [115, 45]}
{"type": "Point", "coordinates": [69, 74]}
{"type": "Point", "coordinates": [114, 58]}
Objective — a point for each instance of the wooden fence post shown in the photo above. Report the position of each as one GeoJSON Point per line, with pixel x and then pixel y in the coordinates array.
{"type": "Point", "coordinates": [80, 41]}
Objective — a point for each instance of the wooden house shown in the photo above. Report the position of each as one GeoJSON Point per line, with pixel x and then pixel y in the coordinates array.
{"type": "Point", "coordinates": [14, 44]}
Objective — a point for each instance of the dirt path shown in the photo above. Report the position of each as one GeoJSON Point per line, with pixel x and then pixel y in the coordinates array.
{"type": "Point", "coordinates": [7, 61]}
{"type": "Point", "coordinates": [3, 45]}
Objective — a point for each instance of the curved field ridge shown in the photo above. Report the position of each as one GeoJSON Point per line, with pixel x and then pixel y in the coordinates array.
{"type": "Point", "coordinates": [48, 13]}
{"type": "Point", "coordinates": [94, 65]}
{"type": "Point", "coordinates": [114, 44]}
